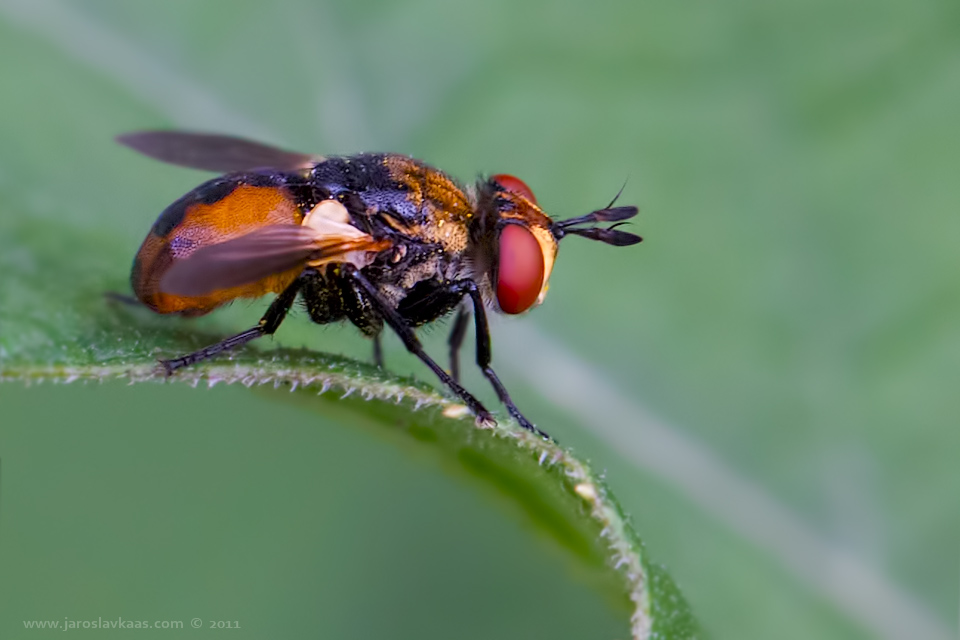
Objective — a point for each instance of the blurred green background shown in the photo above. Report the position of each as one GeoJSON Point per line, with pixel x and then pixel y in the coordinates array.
{"type": "Point", "coordinates": [768, 380]}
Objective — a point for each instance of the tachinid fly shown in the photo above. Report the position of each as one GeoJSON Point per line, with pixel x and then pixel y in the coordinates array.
{"type": "Point", "coordinates": [373, 238]}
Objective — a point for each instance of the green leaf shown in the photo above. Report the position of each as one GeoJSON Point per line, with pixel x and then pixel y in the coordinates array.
{"type": "Point", "coordinates": [51, 333]}
{"type": "Point", "coordinates": [72, 206]}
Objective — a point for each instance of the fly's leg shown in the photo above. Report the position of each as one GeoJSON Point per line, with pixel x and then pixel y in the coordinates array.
{"type": "Point", "coordinates": [484, 356]}
{"type": "Point", "coordinates": [412, 343]}
{"type": "Point", "coordinates": [122, 298]}
{"type": "Point", "coordinates": [456, 341]}
{"type": "Point", "coordinates": [267, 326]}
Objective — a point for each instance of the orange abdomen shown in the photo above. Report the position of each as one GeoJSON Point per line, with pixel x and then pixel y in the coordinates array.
{"type": "Point", "coordinates": [222, 209]}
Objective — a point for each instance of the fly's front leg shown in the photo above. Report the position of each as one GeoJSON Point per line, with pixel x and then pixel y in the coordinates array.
{"type": "Point", "coordinates": [456, 341]}
{"type": "Point", "coordinates": [412, 343]}
{"type": "Point", "coordinates": [267, 326]}
{"type": "Point", "coordinates": [484, 356]}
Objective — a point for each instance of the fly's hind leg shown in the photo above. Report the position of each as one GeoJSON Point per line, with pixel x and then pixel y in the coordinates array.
{"type": "Point", "coordinates": [267, 326]}
{"type": "Point", "coordinates": [122, 298]}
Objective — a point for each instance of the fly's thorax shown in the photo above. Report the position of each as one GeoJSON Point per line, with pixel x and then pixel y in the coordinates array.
{"type": "Point", "coordinates": [444, 209]}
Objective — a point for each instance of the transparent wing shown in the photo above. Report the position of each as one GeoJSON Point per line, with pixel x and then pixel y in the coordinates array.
{"type": "Point", "coordinates": [257, 255]}
{"type": "Point", "coordinates": [212, 152]}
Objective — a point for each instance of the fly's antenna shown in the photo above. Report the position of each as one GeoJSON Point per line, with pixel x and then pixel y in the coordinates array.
{"type": "Point", "coordinates": [610, 235]}
{"type": "Point", "coordinates": [617, 197]}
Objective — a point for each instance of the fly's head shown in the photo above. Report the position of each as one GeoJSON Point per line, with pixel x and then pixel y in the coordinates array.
{"type": "Point", "coordinates": [519, 242]}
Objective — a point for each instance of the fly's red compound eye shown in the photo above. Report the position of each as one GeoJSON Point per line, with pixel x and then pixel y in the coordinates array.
{"type": "Point", "coordinates": [516, 185]}
{"type": "Point", "coordinates": [520, 272]}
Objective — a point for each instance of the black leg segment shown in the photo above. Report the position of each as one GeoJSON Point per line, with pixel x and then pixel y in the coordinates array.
{"type": "Point", "coordinates": [456, 341]}
{"type": "Point", "coordinates": [412, 343]}
{"type": "Point", "coordinates": [484, 356]}
{"type": "Point", "coordinates": [267, 326]}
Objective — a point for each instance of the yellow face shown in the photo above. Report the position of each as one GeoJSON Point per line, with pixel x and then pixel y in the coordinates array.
{"type": "Point", "coordinates": [548, 247]}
